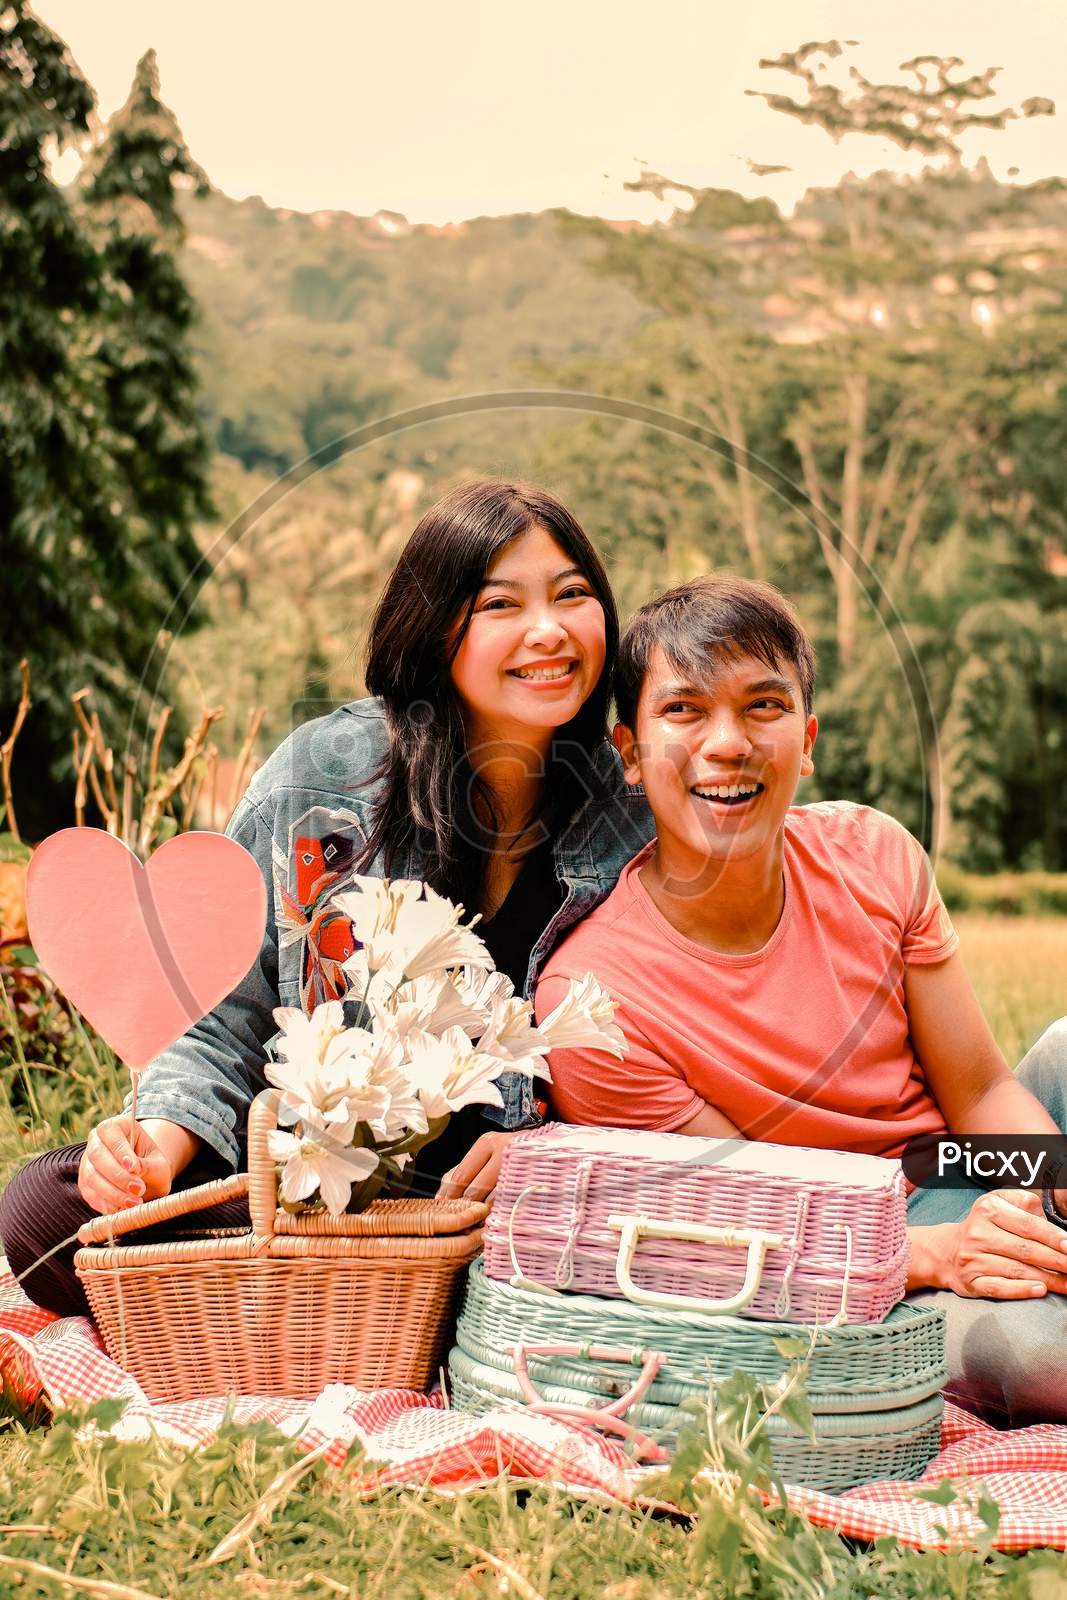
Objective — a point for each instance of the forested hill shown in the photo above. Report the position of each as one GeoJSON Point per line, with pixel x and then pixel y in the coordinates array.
{"type": "Point", "coordinates": [311, 324]}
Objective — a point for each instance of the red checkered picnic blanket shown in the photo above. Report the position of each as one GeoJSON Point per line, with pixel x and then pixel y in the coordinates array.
{"type": "Point", "coordinates": [415, 1439]}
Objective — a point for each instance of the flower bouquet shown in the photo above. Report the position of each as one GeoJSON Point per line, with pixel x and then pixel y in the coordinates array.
{"type": "Point", "coordinates": [438, 1025]}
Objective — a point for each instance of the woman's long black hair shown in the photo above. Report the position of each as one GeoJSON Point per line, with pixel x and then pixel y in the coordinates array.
{"type": "Point", "coordinates": [431, 802]}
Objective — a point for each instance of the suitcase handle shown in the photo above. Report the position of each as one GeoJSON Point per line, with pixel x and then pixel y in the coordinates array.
{"type": "Point", "coordinates": [633, 1229]}
{"type": "Point", "coordinates": [608, 1418]}
{"type": "Point", "coordinates": [651, 1361]}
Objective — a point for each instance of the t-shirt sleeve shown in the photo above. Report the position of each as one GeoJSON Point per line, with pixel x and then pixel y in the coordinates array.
{"type": "Point", "coordinates": [927, 934]}
{"type": "Point", "coordinates": [592, 1087]}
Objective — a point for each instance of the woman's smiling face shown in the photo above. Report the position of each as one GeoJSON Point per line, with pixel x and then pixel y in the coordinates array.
{"type": "Point", "coordinates": [534, 648]}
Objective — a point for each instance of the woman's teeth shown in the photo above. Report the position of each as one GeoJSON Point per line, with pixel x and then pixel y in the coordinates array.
{"type": "Point", "coordinates": [544, 674]}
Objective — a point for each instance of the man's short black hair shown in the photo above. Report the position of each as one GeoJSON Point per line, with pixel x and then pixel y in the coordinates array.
{"type": "Point", "coordinates": [711, 619]}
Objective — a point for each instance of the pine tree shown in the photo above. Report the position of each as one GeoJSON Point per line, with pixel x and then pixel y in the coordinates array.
{"type": "Point", "coordinates": [62, 549]}
{"type": "Point", "coordinates": [130, 189]}
{"type": "Point", "coordinates": [102, 459]}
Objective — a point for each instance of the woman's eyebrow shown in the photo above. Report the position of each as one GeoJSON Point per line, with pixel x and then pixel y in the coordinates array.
{"type": "Point", "coordinates": [507, 583]}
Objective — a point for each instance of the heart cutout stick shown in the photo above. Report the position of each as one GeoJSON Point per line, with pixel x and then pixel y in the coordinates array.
{"type": "Point", "coordinates": [143, 952]}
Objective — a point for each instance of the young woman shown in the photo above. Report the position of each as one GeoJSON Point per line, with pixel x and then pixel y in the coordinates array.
{"type": "Point", "coordinates": [481, 765]}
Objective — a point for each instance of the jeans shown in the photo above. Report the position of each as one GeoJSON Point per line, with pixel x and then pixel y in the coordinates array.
{"type": "Point", "coordinates": [1007, 1359]}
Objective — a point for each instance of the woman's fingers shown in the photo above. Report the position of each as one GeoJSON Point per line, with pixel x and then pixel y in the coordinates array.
{"type": "Point", "coordinates": [96, 1190]}
{"type": "Point", "coordinates": [114, 1135]}
{"type": "Point", "coordinates": [1000, 1264]}
{"type": "Point", "coordinates": [475, 1176]}
{"type": "Point", "coordinates": [109, 1154]}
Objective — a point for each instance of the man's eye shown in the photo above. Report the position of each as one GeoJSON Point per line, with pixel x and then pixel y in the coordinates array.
{"type": "Point", "coordinates": [775, 705]}
{"type": "Point", "coordinates": [678, 707]}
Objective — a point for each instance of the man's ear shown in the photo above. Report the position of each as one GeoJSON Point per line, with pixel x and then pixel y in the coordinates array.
{"type": "Point", "coordinates": [811, 733]}
{"type": "Point", "coordinates": [625, 743]}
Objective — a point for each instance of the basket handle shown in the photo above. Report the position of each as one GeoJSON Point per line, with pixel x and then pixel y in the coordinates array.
{"type": "Point", "coordinates": [651, 1362]}
{"type": "Point", "coordinates": [262, 1177]}
{"type": "Point", "coordinates": [632, 1229]}
{"type": "Point", "coordinates": [584, 1418]}
{"type": "Point", "coordinates": [100, 1230]}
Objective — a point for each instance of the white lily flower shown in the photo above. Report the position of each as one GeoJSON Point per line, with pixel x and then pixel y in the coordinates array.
{"type": "Point", "coordinates": [429, 936]}
{"type": "Point", "coordinates": [449, 1073]}
{"type": "Point", "coordinates": [305, 1038]}
{"type": "Point", "coordinates": [328, 1073]}
{"type": "Point", "coordinates": [583, 1020]}
{"type": "Point", "coordinates": [405, 1112]}
{"type": "Point", "coordinates": [435, 1002]}
{"type": "Point", "coordinates": [320, 1163]}
{"type": "Point", "coordinates": [375, 986]}
{"type": "Point", "coordinates": [373, 908]}
{"type": "Point", "coordinates": [511, 1034]}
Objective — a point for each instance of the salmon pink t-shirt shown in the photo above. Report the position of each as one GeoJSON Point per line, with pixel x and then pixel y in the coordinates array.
{"type": "Point", "coordinates": [804, 1041]}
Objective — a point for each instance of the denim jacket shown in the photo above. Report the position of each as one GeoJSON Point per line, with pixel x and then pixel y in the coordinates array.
{"type": "Point", "coordinates": [305, 818]}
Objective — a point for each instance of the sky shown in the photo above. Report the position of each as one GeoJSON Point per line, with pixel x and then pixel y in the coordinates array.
{"type": "Point", "coordinates": [447, 109]}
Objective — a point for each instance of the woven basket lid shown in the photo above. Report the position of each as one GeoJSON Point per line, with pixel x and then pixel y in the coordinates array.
{"type": "Point", "coordinates": [411, 1217]}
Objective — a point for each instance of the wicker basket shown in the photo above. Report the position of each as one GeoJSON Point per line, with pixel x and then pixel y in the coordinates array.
{"type": "Point", "coordinates": [291, 1305]}
{"type": "Point", "coordinates": [779, 1233]}
{"type": "Point", "coordinates": [849, 1450]}
{"type": "Point", "coordinates": [857, 1367]}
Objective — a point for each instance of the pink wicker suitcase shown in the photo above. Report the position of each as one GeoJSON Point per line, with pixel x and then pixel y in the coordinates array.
{"type": "Point", "coordinates": [727, 1226]}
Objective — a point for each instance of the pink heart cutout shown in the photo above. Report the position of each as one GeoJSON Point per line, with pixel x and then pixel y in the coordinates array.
{"type": "Point", "coordinates": [143, 952]}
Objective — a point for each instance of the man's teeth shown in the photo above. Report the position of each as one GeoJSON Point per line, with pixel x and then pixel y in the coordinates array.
{"type": "Point", "coordinates": [731, 791]}
{"type": "Point", "coordinates": [544, 672]}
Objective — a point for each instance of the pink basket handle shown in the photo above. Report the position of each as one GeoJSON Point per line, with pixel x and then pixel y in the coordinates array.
{"type": "Point", "coordinates": [586, 1418]}
{"type": "Point", "coordinates": [651, 1362]}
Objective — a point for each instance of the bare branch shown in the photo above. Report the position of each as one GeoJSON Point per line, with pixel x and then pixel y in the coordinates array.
{"type": "Point", "coordinates": [7, 749]}
{"type": "Point", "coordinates": [170, 782]}
{"type": "Point", "coordinates": [157, 744]}
{"type": "Point", "coordinates": [237, 787]}
{"type": "Point", "coordinates": [128, 778]}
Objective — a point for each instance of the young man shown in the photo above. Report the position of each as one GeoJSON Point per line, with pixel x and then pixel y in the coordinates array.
{"type": "Point", "coordinates": [790, 973]}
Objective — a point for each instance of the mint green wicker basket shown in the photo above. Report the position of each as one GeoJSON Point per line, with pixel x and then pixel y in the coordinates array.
{"type": "Point", "coordinates": [850, 1449]}
{"type": "Point", "coordinates": [855, 1368]}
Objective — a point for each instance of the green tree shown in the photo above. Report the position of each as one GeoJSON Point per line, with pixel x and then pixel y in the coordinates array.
{"type": "Point", "coordinates": [101, 459]}
{"type": "Point", "coordinates": [62, 547]}
{"type": "Point", "coordinates": [130, 187]}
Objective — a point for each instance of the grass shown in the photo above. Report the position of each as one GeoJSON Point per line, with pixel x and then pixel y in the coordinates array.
{"type": "Point", "coordinates": [1018, 967]}
{"type": "Point", "coordinates": [82, 1515]}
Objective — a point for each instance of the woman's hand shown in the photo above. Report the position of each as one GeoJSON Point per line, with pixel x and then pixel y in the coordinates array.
{"type": "Point", "coordinates": [126, 1162]}
{"type": "Point", "coordinates": [1004, 1249]}
{"type": "Point", "coordinates": [475, 1176]}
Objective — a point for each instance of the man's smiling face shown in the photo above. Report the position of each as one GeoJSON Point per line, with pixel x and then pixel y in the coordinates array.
{"type": "Point", "coordinates": [720, 759]}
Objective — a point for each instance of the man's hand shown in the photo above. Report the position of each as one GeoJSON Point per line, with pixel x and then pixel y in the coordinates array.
{"type": "Point", "coordinates": [1004, 1249]}
{"type": "Point", "coordinates": [475, 1176]}
{"type": "Point", "coordinates": [124, 1163]}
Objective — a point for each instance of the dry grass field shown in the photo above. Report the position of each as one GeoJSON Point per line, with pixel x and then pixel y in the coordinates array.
{"type": "Point", "coordinates": [1018, 966]}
